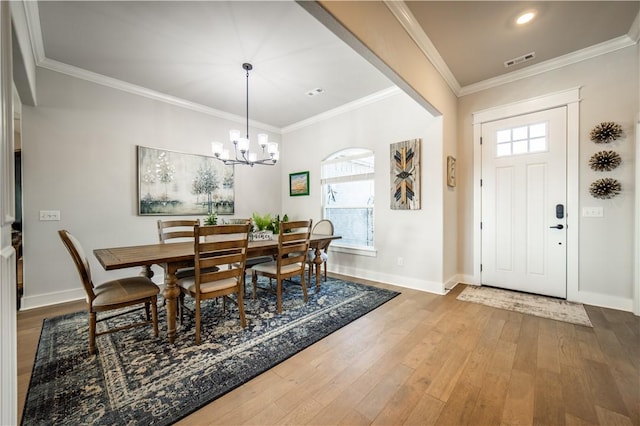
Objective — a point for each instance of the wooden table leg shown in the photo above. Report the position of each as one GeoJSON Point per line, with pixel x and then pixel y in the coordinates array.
{"type": "Point", "coordinates": [171, 293]}
{"type": "Point", "coordinates": [318, 262]}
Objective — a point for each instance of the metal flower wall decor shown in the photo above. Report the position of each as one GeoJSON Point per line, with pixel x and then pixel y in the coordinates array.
{"type": "Point", "coordinates": [604, 161]}
{"type": "Point", "coordinates": [606, 132]}
{"type": "Point", "coordinates": [605, 188]}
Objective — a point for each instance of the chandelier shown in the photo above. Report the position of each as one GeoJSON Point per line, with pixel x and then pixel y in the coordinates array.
{"type": "Point", "coordinates": [242, 153]}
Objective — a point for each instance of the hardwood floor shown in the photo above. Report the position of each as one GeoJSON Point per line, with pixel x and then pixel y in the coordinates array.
{"type": "Point", "coordinates": [428, 359]}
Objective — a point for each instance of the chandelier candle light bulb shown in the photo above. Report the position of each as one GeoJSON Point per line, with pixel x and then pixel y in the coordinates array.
{"type": "Point", "coordinates": [243, 145]}
{"type": "Point", "coordinates": [263, 139]}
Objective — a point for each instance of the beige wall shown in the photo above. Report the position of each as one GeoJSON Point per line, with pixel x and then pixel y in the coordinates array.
{"type": "Point", "coordinates": [609, 92]}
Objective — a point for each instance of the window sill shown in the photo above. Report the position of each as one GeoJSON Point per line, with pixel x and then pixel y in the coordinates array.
{"type": "Point", "coordinates": [360, 251]}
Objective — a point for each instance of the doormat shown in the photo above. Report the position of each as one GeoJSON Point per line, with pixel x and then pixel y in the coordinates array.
{"type": "Point", "coordinates": [540, 306]}
{"type": "Point", "coordinates": [137, 379]}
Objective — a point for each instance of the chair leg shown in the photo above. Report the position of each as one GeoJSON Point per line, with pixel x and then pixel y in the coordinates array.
{"type": "Point", "coordinates": [154, 316]}
{"type": "Point", "coordinates": [146, 311]}
{"type": "Point", "coordinates": [197, 321]}
{"type": "Point", "coordinates": [92, 333]}
{"type": "Point", "coordinates": [243, 319]}
{"type": "Point", "coordinates": [325, 271]}
{"type": "Point", "coordinates": [279, 294]}
{"type": "Point", "coordinates": [254, 280]}
{"type": "Point", "coordinates": [304, 287]}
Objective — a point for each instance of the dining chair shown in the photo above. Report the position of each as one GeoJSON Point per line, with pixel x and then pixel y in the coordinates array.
{"type": "Point", "coordinates": [323, 227]}
{"type": "Point", "coordinates": [251, 261]}
{"type": "Point", "coordinates": [112, 295]}
{"type": "Point", "coordinates": [220, 257]}
{"type": "Point", "coordinates": [178, 231]}
{"type": "Point", "coordinates": [293, 244]}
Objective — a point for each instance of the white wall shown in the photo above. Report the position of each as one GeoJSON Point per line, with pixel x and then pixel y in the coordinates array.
{"type": "Point", "coordinates": [416, 236]}
{"type": "Point", "coordinates": [609, 92]}
{"type": "Point", "coordinates": [79, 157]}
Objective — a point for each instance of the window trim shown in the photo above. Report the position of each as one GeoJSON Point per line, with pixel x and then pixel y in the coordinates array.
{"type": "Point", "coordinates": [339, 157]}
{"type": "Point", "coordinates": [358, 251]}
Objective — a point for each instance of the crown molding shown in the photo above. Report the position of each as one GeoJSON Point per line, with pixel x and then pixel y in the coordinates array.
{"type": "Point", "coordinates": [402, 13]}
{"type": "Point", "coordinates": [35, 31]}
{"type": "Point", "coordinates": [351, 106]}
{"type": "Point", "coordinates": [148, 93]}
{"type": "Point", "coordinates": [634, 30]}
{"type": "Point", "coordinates": [552, 64]}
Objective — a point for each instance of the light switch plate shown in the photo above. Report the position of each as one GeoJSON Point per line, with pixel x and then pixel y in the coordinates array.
{"type": "Point", "coordinates": [592, 212]}
{"type": "Point", "coordinates": [46, 215]}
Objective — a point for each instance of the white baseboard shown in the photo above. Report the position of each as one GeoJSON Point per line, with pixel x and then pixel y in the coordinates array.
{"type": "Point", "coordinates": [605, 301]}
{"type": "Point", "coordinates": [40, 300]}
{"type": "Point", "coordinates": [397, 280]}
{"type": "Point", "coordinates": [589, 298]}
{"type": "Point", "coordinates": [459, 279]}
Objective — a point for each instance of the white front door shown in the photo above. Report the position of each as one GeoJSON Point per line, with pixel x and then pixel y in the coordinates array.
{"type": "Point", "coordinates": [524, 195]}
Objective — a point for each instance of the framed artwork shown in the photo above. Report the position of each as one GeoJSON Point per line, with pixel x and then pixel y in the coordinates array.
{"type": "Point", "coordinates": [451, 171]}
{"type": "Point", "coordinates": [405, 175]}
{"type": "Point", "coordinates": [298, 184]}
{"type": "Point", "coordinates": [174, 183]}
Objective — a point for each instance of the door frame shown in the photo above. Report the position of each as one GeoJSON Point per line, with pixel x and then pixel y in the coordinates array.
{"type": "Point", "coordinates": [571, 99]}
{"type": "Point", "coordinates": [8, 316]}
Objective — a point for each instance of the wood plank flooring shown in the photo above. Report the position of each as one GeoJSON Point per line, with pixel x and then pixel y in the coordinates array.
{"type": "Point", "coordinates": [425, 359]}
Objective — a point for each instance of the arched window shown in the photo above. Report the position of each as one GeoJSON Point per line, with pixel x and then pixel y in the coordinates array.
{"type": "Point", "coordinates": [347, 179]}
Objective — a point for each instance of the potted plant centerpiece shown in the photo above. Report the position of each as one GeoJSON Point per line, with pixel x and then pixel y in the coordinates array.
{"type": "Point", "coordinates": [262, 228]}
{"type": "Point", "coordinates": [212, 219]}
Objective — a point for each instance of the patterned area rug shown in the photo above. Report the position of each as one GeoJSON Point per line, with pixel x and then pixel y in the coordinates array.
{"type": "Point", "coordinates": [138, 379]}
{"type": "Point", "coordinates": [540, 306]}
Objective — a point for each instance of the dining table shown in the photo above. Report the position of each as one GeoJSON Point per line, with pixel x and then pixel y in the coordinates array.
{"type": "Point", "coordinates": [174, 256]}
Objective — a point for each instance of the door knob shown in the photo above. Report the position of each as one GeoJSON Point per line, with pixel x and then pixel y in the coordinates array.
{"type": "Point", "coordinates": [557, 226]}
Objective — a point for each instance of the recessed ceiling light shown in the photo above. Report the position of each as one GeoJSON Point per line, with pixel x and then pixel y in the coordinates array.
{"type": "Point", "coordinates": [525, 17]}
{"type": "Point", "coordinates": [315, 91]}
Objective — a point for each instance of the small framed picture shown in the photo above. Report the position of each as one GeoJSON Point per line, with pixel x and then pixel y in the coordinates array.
{"type": "Point", "coordinates": [298, 184]}
{"type": "Point", "coordinates": [451, 171]}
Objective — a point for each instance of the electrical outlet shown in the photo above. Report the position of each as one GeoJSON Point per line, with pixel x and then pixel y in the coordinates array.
{"type": "Point", "coordinates": [592, 212]}
{"type": "Point", "coordinates": [46, 215]}
{"type": "Point", "coordinates": [400, 261]}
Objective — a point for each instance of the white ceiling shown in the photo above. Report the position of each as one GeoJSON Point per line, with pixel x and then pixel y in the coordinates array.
{"type": "Point", "coordinates": [192, 52]}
